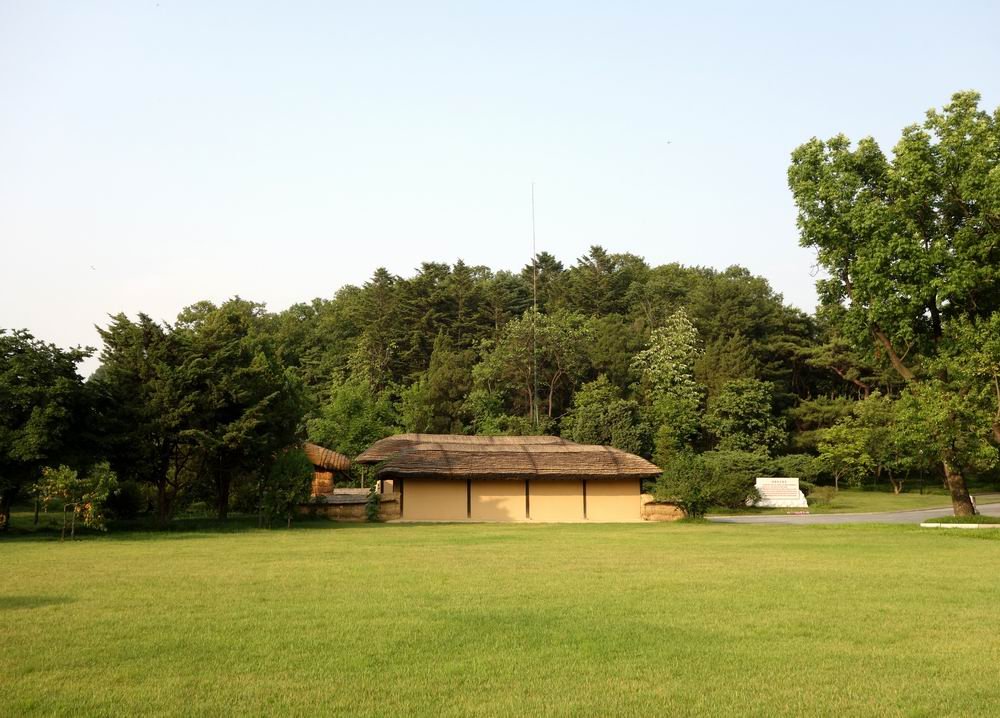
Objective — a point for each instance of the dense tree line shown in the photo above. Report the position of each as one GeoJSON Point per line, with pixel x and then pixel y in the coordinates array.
{"type": "Point", "coordinates": [894, 377]}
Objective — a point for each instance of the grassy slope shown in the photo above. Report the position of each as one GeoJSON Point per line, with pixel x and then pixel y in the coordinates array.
{"type": "Point", "coordinates": [855, 501]}
{"type": "Point", "coordinates": [504, 620]}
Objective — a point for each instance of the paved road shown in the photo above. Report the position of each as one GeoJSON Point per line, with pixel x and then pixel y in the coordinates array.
{"type": "Point", "coordinates": [895, 517]}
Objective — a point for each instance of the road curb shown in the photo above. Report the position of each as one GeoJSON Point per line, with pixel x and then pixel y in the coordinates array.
{"type": "Point", "coordinates": [933, 525]}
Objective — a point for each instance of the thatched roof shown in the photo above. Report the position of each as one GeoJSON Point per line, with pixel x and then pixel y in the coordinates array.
{"type": "Point", "coordinates": [384, 448]}
{"type": "Point", "coordinates": [439, 460]}
{"type": "Point", "coordinates": [325, 458]}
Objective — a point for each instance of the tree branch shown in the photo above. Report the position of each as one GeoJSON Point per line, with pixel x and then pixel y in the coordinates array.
{"type": "Point", "coordinates": [897, 363]}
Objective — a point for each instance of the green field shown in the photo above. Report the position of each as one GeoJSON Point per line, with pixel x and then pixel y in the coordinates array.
{"type": "Point", "coordinates": [454, 620]}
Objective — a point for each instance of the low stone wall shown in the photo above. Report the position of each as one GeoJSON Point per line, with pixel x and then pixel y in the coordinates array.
{"type": "Point", "coordinates": [653, 510]}
{"type": "Point", "coordinates": [389, 509]}
{"type": "Point", "coordinates": [350, 507]}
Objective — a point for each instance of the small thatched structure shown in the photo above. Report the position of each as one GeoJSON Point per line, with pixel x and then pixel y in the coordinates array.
{"type": "Point", "coordinates": [326, 464]}
{"type": "Point", "coordinates": [567, 461]}
{"type": "Point", "coordinates": [391, 445]}
{"type": "Point", "coordinates": [326, 458]}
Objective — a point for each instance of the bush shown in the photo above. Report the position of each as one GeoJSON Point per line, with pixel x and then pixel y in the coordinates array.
{"type": "Point", "coordinates": [743, 466]}
{"type": "Point", "coordinates": [804, 467]}
{"type": "Point", "coordinates": [127, 501]}
{"type": "Point", "coordinates": [696, 483]}
{"type": "Point", "coordinates": [87, 496]}
{"type": "Point", "coordinates": [288, 484]}
{"type": "Point", "coordinates": [822, 495]}
{"type": "Point", "coordinates": [198, 509]}
{"type": "Point", "coordinates": [806, 487]}
{"type": "Point", "coordinates": [246, 495]}
{"type": "Point", "coordinates": [372, 505]}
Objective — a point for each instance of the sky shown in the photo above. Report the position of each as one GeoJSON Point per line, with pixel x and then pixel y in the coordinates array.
{"type": "Point", "coordinates": [154, 154]}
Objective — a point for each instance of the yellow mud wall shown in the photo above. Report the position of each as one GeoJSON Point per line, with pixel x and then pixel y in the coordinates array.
{"type": "Point", "coordinates": [497, 500]}
{"type": "Point", "coordinates": [556, 500]}
{"type": "Point", "coordinates": [434, 500]}
{"type": "Point", "coordinates": [613, 500]}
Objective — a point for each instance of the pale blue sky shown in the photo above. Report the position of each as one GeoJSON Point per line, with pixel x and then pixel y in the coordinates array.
{"type": "Point", "coordinates": [191, 150]}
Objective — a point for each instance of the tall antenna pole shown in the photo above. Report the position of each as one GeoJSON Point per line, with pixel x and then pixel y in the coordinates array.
{"type": "Point", "coordinates": [534, 313]}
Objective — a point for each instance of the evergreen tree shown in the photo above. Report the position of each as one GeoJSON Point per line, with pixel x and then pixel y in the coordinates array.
{"type": "Point", "coordinates": [42, 400]}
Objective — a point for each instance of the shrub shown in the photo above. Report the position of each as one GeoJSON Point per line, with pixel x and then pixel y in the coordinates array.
{"type": "Point", "coordinates": [743, 466]}
{"type": "Point", "coordinates": [822, 495]}
{"type": "Point", "coordinates": [601, 416]}
{"type": "Point", "coordinates": [287, 485]}
{"type": "Point", "coordinates": [84, 498]}
{"type": "Point", "coordinates": [198, 509]}
{"type": "Point", "coordinates": [128, 501]}
{"type": "Point", "coordinates": [804, 467]}
{"type": "Point", "coordinates": [698, 482]}
{"type": "Point", "coordinates": [372, 505]}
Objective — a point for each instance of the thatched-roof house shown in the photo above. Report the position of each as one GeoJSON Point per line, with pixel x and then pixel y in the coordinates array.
{"type": "Point", "coordinates": [391, 445]}
{"type": "Point", "coordinates": [512, 478]}
{"type": "Point", "coordinates": [326, 465]}
{"type": "Point", "coordinates": [565, 461]}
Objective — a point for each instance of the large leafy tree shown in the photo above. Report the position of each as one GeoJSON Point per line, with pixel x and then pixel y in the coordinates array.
{"type": "Point", "coordinates": [673, 398]}
{"type": "Point", "coordinates": [42, 398]}
{"type": "Point", "coordinates": [601, 416]}
{"type": "Point", "coordinates": [536, 363]}
{"type": "Point", "coordinates": [742, 418]}
{"type": "Point", "coordinates": [890, 433]}
{"type": "Point", "coordinates": [353, 418]}
{"type": "Point", "coordinates": [248, 406]}
{"type": "Point", "coordinates": [911, 245]}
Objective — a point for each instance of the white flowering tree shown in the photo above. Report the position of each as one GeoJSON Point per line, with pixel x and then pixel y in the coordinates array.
{"type": "Point", "coordinates": [666, 371]}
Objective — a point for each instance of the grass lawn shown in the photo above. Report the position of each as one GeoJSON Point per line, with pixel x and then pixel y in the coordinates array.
{"type": "Point", "coordinates": [850, 501]}
{"type": "Point", "coordinates": [454, 620]}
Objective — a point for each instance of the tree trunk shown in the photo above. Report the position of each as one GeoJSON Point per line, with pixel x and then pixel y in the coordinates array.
{"type": "Point", "coordinates": [223, 481]}
{"type": "Point", "coordinates": [960, 500]}
{"type": "Point", "coordinates": [4, 510]}
{"type": "Point", "coordinates": [552, 390]}
{"type": "Point", "coordinates": [162, 503]}
{"type": "Point", "coordinates": [72, 525]}
{"type": "Point", "coordinates": [36, 510]}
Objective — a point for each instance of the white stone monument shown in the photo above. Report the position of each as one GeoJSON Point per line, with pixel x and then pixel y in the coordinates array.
{"type": "Point", "coordinates": [781, 493]}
